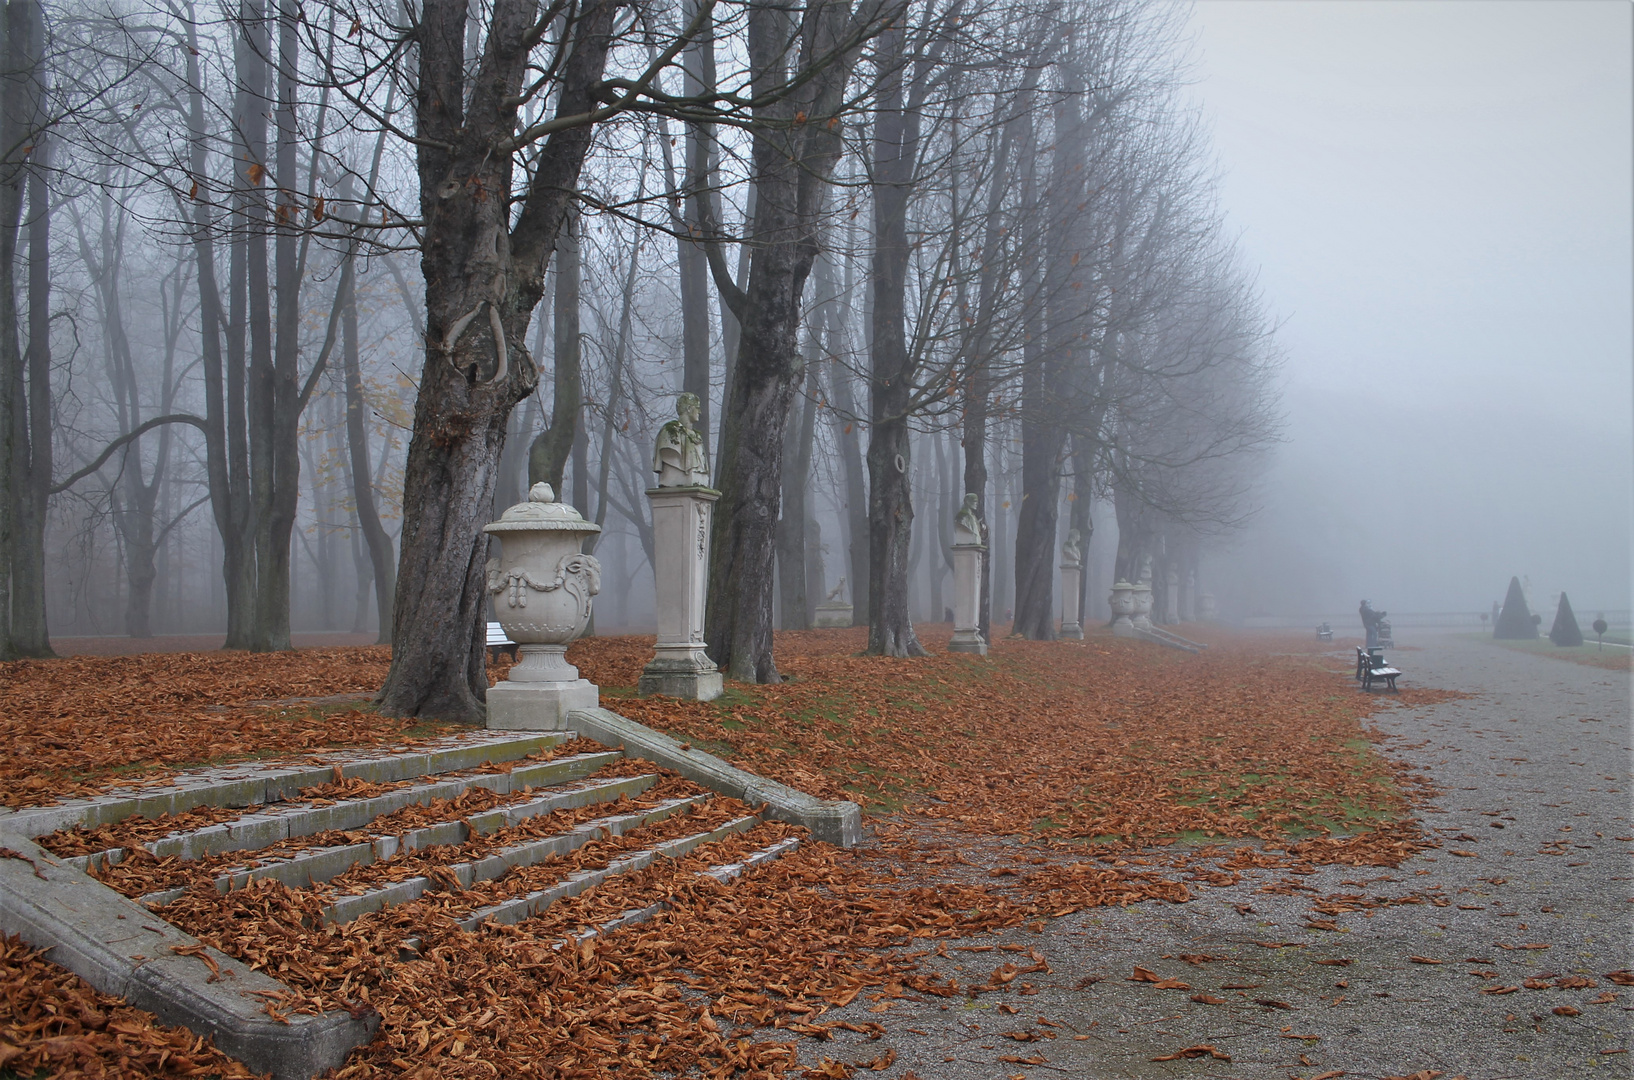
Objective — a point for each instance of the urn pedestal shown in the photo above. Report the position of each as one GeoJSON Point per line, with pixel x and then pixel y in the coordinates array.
{"type": "Point", "coordinates": [1142, 617]}
{"type": "Point", "coordinates": [680, 522]}
{"type": "Point", "coordinates": [542, 587]}
{"type": "Point", "coordinates": [1122, 602]}
{"type": "Point", "coordinates": [1072, 627]}
{"type": "Point", "coordinates": [967, 599]}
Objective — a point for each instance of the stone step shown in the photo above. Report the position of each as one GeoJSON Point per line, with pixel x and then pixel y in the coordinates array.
{"type": "Point", "coordinates": [320, 864]}
{"type": "Point", "coordinates": [254, 783]}
{"type": "Point", "coordinates": [518, 908]}
{"type": "Point", "coordinates": [346, 908]}
{"type": "Point", "coordinates": [294, 820]}
{"type": "Point", "coordinates": [723, 873]}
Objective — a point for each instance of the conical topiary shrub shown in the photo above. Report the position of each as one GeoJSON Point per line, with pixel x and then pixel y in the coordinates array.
{"type": "Point", "coordinates": [1565, 632]}
{"type": "Point", "coordinates": [1515, 621]}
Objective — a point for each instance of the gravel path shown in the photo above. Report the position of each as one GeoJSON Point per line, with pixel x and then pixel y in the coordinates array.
{"type": "Point", "coordinates": [1533, 881]}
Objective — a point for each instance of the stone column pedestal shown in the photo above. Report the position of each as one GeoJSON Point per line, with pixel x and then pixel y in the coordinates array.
{"type": "Point", "coordinates": [967, 599]}
{"type": "Point", "coordinates": [1171, 597]}
{"type": "Point", "coordinates": [1072, 627]}
{"type": "Point", "coordinates": [680, 526]}
{"type": "Point", "coordinates": [1122, 601]}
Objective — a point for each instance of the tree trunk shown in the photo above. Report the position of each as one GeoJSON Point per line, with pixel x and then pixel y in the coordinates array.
{"type": "Point", "coordinates": [692, 264]}
{"type": "Point", "coordinates": [22, 628]}
{"type": "Point", "coordinates": [796, 142]}
{"type": "Point", "coordinates": [547, 458]}
{"type": "Point", "coordinates": [474, 264]}
{"type": "Point", "coordinates": [1078, 516]}
{"type": "Point", "coordinates": [890, 495]}
{"type": "Point", "coordinates": [28, 625]}
{"type": "Point", "coordinates": [848, 437]}
{"type": "Point", "coordinates": [382, 563]}
{"type": "Point", "coordinates": [795, 521]}
{"type": "Point", "coordinates": [280, 400]}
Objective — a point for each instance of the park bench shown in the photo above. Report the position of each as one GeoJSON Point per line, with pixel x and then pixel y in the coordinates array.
{"type": "Point", "coordinates": [1324, 632]}
{"type": "Point", "coordinates": [499, 643]}
{"type": "Point", "coordinates": [1371, 668]}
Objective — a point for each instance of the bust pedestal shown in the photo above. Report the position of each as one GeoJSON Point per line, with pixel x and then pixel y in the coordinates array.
{"type": "Point", "coordinates": [832, 614]}
{"type": "Point", "coordinates": [967, 599]}
{"type": "Point", "coordinates": [1072, 628]}
{"type": "Point", "coordinates": [680, 667]}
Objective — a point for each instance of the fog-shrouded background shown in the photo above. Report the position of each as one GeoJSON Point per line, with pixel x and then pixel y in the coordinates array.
{"type": "Point", "coordinates": [1437, 197]}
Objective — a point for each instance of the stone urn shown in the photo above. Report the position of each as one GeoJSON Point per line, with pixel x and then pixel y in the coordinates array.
{"type": "Point", "coordinates": [1122, 601]}
{"type": "Point", "coordinates": [1142, 594]}
{"type": "Point", "coordinates": [542, 586]}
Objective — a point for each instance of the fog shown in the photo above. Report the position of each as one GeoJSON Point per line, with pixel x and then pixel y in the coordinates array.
{"type": "Point", "coordinates": [1353, 278]}
{"type": "Point", "coordinates": [1437, 198]}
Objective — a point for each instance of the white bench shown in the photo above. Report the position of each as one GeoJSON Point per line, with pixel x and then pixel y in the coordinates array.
{"type": "Point", "coordinates": [499, 642]}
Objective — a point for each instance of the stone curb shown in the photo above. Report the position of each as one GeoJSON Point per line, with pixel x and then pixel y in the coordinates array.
{"type": "Point", "coordinates": [121, 948]}
{"type": "Point", "coordinates": [834, 821]}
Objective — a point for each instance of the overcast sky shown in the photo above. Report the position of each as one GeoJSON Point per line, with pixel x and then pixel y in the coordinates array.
{"type": "Point", "coordinates": [1436, 195]}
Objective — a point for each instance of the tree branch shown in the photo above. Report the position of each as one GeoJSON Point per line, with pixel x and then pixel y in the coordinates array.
{"type": "Point", "coordinates": [113, 447]}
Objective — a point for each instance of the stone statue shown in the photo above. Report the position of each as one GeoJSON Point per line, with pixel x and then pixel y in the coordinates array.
{"type": "Point", "coordinates": [1370, 622]}
{"type": "Point", "coordinates": [679, 456]}
{"type": "Point", "coordinates": [1146, 569]}
{"type": "Point", "coordinates": [834, 593]}
{"type": "Point", "coordinates": [967, 526]}
{"type": "Point", "coordinates": [1070, 553]}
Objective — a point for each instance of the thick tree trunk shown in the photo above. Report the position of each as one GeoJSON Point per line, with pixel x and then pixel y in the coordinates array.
{"type": "Point", "coordinates": [796, 144]}
{"type": "Point", "coordinates": [22, 610]}
{"type": "Point", "coordinates": [1058, 320]}
{"type": "Point", "coordinates": [13, 136]}
{"type": "Point", "coordinates": [474, 265]}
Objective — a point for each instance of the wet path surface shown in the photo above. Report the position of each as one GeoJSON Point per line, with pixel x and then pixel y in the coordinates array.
{"type": "Point", "coordinates": [1486, 957]}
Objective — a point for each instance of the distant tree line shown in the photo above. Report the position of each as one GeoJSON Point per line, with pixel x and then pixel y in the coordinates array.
{"type": "Point", "coordinates": [352, 277]}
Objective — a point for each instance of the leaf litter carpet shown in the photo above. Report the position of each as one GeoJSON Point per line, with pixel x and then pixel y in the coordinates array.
{"type": "Point", "coordinates": [1127, 772]}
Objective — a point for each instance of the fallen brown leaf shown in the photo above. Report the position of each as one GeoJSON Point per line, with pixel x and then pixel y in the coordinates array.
{"type": "Point", "coordinates": [1202, 1050]}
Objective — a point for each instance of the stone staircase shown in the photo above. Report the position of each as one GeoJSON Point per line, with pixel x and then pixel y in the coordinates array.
{"type": "Point", "coordinates": [482, 826]}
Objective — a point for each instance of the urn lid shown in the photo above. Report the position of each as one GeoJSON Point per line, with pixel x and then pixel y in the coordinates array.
{"type": "Point", "coordinates": [541, 513]}
{"type": "Point", "coordinates": [1121, 583]}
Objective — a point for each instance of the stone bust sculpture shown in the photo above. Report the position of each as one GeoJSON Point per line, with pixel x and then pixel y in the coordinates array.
{"type": "Point", "coordinates": [1070, 552]}
{"type": "Point", "coordinates": [967, 527]}
{"type": "Point", "coordinates": [679, 457]}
